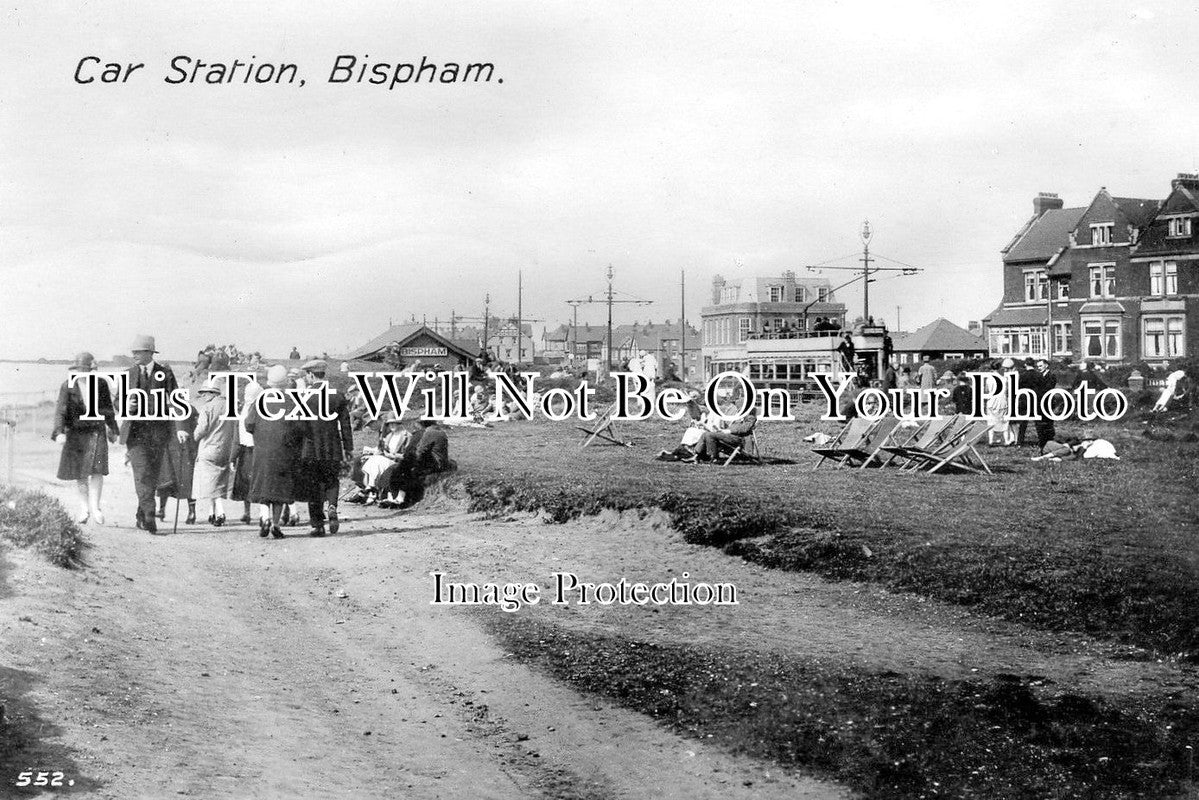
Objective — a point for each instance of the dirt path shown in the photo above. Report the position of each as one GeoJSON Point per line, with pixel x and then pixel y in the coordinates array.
{"type": "Point", "coordinates": [213, 663]}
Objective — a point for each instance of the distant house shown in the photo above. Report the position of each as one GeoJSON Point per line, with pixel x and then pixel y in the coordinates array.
{"type": "Point", "coordinates": [413, 342]}
{"type": "Point", "coordinates": [663, 339]}
{"type": "Point", "coordinates": [940, 339]}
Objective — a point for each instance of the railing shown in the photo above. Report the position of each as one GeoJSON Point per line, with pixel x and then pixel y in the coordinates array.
{"type": "Point", "coordinates": [16, 417]}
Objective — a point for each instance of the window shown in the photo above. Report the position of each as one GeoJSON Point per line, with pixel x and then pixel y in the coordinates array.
{"type": "Point", "coordinates": [822, 295]}
{"type": "Point", "coordinates": [1103, 280]}
{"type": "Point", "coordinates": [776, 294]}
{"type": "Point", "coordinates": [742, 329]}
{"type": "Point", "coordinates": [1061, 337]}
{"type": "Point", "coordinates": [1101, 234]}
{"type": "Point", "coordinates": [1163, 278]}
{"type": "Point", "coordinates": [1101, 337]}
{"type": "Point", "coordinates": [1063, 289]}
{"type": "Point", "coordinates": [1018, 341]}
{"type": "Point", "coordinates": [1180, 227]}
{"type": "Point", "coordinates": [1164, 337]}
{"type": "Point", "coordinates": [801, 294]}
{"type": "Point", "coordinates": [1036, 286]}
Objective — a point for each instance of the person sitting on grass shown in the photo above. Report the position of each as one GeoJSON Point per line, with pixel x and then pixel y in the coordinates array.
{"type": "Point", "coordinates": [374, 471]}
{"type": "Point", "coordinates": [427, 453]}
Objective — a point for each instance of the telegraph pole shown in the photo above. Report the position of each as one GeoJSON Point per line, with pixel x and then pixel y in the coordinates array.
{"type": "Point", "coordinates": [519, 313]}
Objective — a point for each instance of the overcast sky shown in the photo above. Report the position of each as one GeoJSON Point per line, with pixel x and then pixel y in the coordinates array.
{"type": "Point", "coordinates": [737, 138]}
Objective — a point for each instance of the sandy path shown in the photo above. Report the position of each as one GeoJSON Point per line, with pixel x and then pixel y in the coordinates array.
{"type": "Point", "coordinates": [216, 664]}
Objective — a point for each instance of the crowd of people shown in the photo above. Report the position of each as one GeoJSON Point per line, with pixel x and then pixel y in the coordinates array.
{"type": "Point", "coordinates": [272, 461]}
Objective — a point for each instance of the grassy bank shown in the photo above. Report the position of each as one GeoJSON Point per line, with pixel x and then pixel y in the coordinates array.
{"type": "Point", "coordinates": [35, 520]}
{"type": "Point", "coordinates": [1105, 547]}
{"type": "Point", "coordinates": [886, 735]}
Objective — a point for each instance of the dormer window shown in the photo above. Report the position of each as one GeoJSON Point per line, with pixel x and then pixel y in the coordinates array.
{"type": "Point", "coordinates": [1180, 228]}
{"type": "Point", "coordinates": [801, 294]}
{"type": "Point", "coordinates": [1101, 234]}
{"type": "Point", "coordinates": [776, 294]}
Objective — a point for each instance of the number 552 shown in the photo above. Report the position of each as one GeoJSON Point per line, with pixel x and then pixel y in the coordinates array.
{"type": "Point", "coordinates": [30, 778]}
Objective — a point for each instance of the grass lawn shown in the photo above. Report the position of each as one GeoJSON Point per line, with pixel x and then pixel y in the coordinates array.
{"type": "Point", "coordinates": [1105, 547]}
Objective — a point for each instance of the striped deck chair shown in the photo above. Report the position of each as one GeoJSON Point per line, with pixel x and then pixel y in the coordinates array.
{"type": "Point", "coordinates": [928, 439]}
{"type": "Point", "coordinates": [959, 452]}
{"type": "Point", "coordinates": [849, 439]}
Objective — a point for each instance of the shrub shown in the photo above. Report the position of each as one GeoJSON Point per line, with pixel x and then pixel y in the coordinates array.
{"type": "Point", "coordinates": [34, 519]}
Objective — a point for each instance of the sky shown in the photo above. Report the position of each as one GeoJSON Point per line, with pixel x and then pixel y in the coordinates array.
{"type": "Point", "coordinates": [738, 139]}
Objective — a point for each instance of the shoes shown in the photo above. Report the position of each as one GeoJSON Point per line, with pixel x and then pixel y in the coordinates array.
{"type": "Point", "coordinates": [82, 517]}
{"type": "Point", "coordinates": [286, 518]}
{"type": "Point", "coordinates": [218, 521]}
{"type": "Point", "coordinates": [162, 512]}
{"type": "Point", "coordinates": [152, 527]}
{"type": "Point", "coordinates": [141, 519]}
{"type": "Point", "coordinates": [245, 519]}
{"type": "Point", "coordinates": [264, 528]}
{"type": "Point", "coordinates": [317, 530]}
{"type": "Point", "coordinates": [191, 517]}
{"type": "Point", "coordinates": [98, 517]}
{"type": "Point", "coordinates": [276, 531]}
{"type": "Point", "coordinates": [334, 523]}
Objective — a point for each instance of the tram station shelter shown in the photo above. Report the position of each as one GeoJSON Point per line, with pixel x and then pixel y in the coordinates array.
{"type": "Point", "coordinates": [414, 342]}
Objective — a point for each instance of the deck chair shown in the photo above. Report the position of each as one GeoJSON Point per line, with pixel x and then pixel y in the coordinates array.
{"type": "Point", "coordinates": [928, 439]}
{"type": "Point", "coordinates": [604, 428]}
{"type": "Point", "coordinates": [869, 444]}
{"type": "Point", "coordinates": [849, 439]}
{"type": "Point", "coordinates": [746, 451]}
{"type": "Point", "coordinates": [894, 434]}
{"type": "Point", "coordinates": [958, 451]}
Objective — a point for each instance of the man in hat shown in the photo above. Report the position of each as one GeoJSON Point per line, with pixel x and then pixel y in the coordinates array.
{"type": "Point", "coordinates": [146, 441]}
{"type": "Point", "coordinates": [328, 443]}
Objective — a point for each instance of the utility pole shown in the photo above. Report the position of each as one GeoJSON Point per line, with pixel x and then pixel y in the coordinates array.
{"type": "Point", "coordinates": [897, 325]}
{"type": "Point", "coordinates": [520, 338]}
{"type": "Point", "coordinates": [610, 301]}
{"type": "Point", "coordinates": [683, 323]}
{"type": "Point", "coordinates": [866, 270]}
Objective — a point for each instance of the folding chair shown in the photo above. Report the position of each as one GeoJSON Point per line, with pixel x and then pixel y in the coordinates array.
{"type": "Point", "coordinates": [849, 439]}
{"type": "Point", "coordinates": [927, 439]}
{"type": "Point", "coordinates": [898, 434]}
{"type": "Point", "coordinates": [747, 450]}
{"type": "Point", "coordinates": [869, 444]}
{"type": "Point", "coordinates": [605, 428]}
{"type": "Point", "coordinates": [958, 450]}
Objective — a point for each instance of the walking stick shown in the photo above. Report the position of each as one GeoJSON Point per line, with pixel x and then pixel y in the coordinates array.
{"type": "Point", "coordinates": [175, 527]}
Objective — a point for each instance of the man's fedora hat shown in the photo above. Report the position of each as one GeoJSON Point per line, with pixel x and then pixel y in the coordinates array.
{"type": "Point", "coordinates": [143, 342]}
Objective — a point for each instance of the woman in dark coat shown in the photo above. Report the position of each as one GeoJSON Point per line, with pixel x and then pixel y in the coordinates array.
{"type": "Point", "coordinates": [277, 445]}
{"type": "Point", "coordinates": [85, 444]}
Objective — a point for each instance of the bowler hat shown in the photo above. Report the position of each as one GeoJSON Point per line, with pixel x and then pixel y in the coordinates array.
{"type": "Point", "coordinates": [84, 362]}
{"type": "Point", "coordinates": [143, 342]}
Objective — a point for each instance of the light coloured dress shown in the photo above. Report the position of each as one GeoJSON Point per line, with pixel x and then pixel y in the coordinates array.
{"type": "Point", "coordinates": [216, 445]}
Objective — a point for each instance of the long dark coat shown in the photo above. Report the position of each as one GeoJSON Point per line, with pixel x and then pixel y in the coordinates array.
{"type": "Point", "coordinates": [277, 444]}
{"type": "Point", "coordinates": [326, 444]}
{"type": "Point", "coordinates": [179, 462]}
{"type": "Point", "coordinates": [86, 449]}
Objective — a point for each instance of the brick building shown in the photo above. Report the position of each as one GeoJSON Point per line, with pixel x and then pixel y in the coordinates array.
{"type": "Point", "coordinates": [1115, 281]}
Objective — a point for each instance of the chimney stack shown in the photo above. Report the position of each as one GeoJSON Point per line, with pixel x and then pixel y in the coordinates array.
{"type": "Point", "coordinates": [1189, 180]}
{"type": "Point", "coordinates": [1045, 201]}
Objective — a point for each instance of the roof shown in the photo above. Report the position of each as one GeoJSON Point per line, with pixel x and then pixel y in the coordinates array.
{"type": "Point", "coordinates": [940, 335]}
{"type": "Point", "coordinates": [647, 336]}
{"type": "Point", "coordinates": [1102, 307]}
{"type": "Point", "coordinates": [1025, 315]}
{"type": "Point", "coordinates": [401, 334]}
{"type": "Point", "coordinates": [1137, 210]}
{"type": "Point", "coordinates": [1045, 235]}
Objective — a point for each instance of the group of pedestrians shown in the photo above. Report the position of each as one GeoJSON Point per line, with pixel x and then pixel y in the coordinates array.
{"type": "Point", "coordinates": [271, 461]}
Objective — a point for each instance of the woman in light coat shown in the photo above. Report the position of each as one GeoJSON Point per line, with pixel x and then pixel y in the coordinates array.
{"type": "Point", "coordinates": [216, 445]}
{"type": "Point", "coordinates": [85, 442]}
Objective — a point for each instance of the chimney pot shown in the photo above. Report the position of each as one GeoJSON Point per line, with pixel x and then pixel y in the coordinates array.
{"type": "Point", "coordinates": [1044, 201]}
